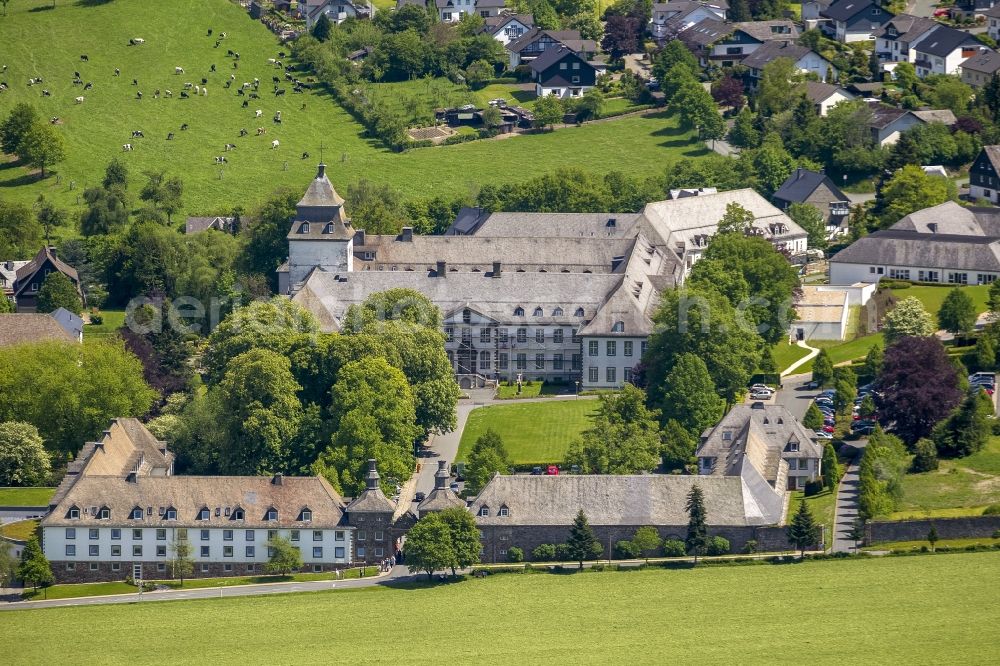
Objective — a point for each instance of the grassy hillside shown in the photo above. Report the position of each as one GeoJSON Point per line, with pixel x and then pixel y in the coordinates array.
{"type": "Point", "coordinates": [931, 609]}
{"type": "Point", "coordinates": [48, 43]}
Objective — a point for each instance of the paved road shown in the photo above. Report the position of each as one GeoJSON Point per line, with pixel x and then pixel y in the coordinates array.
{"type": "Point", "coordinates": [12, 515]}
{"type": "Point", "coordinates": [794, 395]}
{"type": "Point", "coordinates": [398, 574]}
{"type": "Point", "coordinates": [846, 510]}
{"type": "Point", "coordinates": [921, 7]}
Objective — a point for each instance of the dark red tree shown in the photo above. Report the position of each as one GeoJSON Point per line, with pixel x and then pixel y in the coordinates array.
{"type": "Point", "coordinates": [728, 91]}
{"type": "Point", "coordinates": [622, 36]}
{"type": "Point", "coordinates": [919, 387]}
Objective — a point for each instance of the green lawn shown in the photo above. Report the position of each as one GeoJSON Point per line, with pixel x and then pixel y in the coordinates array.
{"type": "Point", "coordinates": [942, 543]}
{"type": "Point", "coordinates": [533, 390]}
{"type": "Point", "coordinates": [536, 432]}
{"type": "Point", "coordinates": [933, 296]}
{"type": "Point", "coordinates": [841, 352]}
{"type": "Point", "coordinates": [26, 496]}
{"type": "Point", "coordinates": [113, 320]}
{"type": "Point", "coordinates": [964, 486]}
{"type": "Point", "coordinates": [821, 505]}
{"type": "Point", "coordinates": [82, 590]}
{"type": "Point", "coordinates": [785, 354]}
{"type": "Point", "coordinates": [934, 609]}
{"type": "Point", "coordinates": [95, 131]}
{"type": "Point", "coordinates": [22, 529]}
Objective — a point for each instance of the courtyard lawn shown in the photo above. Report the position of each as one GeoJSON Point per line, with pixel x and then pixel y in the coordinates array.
{"type": "Point", "coordinates": [842, 352]}
{"type": "Point", "coordinates": [785, 354]}
{"type": "Point", "coordinates": [535, 432]}
{"type": "Point", "coordinates": [22, 530]}
{"type": "Point", "coordinates": [964, 486]}
{"type": "Point", "coordinates": [26, 496]}
{"type": "Point", "coordinates": [821, 506]}
{"type": "Point", "coordinates": [533, 390]}
{"type": "Point", "coordinates": [95, 130]}
{"type": "Point", "coordinates": [81, 590]}
{"type": "Point", "coordinates": [933, 296]}
{"type": "Point", "coordinates": [930, 609]}
{"type": "Point", "coordinates": [113, 320]}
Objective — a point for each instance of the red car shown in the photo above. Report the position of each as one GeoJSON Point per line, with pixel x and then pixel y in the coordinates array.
{"type": "Point", "coordinates": [944, 11]}
{"type": "Point", "coordinates": [828, 428]}
{"type": "Point", "coordinates": [552, 470]}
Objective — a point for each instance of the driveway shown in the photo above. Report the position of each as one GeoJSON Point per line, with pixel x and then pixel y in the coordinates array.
{"type": "Point", "coordinates": [846, 509]}
{"type": "Point", "coordinates": [794, 395]}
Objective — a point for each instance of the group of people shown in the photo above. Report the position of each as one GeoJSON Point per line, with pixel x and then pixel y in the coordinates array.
{"type": "Point", "coordinates": [387, 564]}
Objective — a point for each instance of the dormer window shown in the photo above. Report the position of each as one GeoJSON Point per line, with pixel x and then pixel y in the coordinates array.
{"type": "Point", "coordinates": [793, 447]}
{"type": "Point", "coordinates": [328, 229]}
{"type": "Point", "coordinates": [504, 512]}
{"type": "Point", "coordinates": [619, 327]}
{"type": "Point", "coordinates": [484, 511]}
{"type": "Point", "coordinates": [304, 229]}
{"type": "Point", "coordinates": [237, 514]}
{"type": "Point", "coordinates": [558, 312]}
{"type": "Point", "coordinates": [136, 513]}
{"type": "Point", "coordinates": [272, 514]}
{"type": "Point", "coordinates": [170, 513]}
{"type": "Point", "coordinates": [538, 312]}
{"type": "Point", "coordinates": [204, 514]}
{"type": "Point", "coordinates": [306, 515]}
{"type": "Point", "coordinates": [727, 436]}
{"type": "Point", "coordinates": [104, 513]}
{"type": "Point", "coordinates": [518, 311]}
{"type": "Point", "coordinates": [579, 312]}
{"type": "Point", "coordinates": [73, 513]}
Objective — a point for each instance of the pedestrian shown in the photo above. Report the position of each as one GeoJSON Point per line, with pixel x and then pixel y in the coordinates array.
{"type": "Point", "coordinates": [392, 561]}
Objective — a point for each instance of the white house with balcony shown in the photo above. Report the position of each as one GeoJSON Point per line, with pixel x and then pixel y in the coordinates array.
{"type": "Point", "coordinates": [337, 11]}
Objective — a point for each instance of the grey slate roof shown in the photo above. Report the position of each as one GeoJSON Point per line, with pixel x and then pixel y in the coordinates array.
{"type": "Point", "coordinates": [943, 40]}
{"type": "Point", "coordinates": [945, 116]}
{"type": "Point", "coordinates": [321, 192]}
{"type": "Point", "coordinates": [802, 183]}
{"type": "Point", "coordinates": [773, 50]}
{"type": "Point", "coordinates": [569, 225]}
{"type": "Point", "coordinates": [653, 499]}
{"type": "Point", "coordinates": [764, 30]}
{"type": "Point", "coordinates": [568, 38]}
{"type": "Point", "coordinates": [23, 328]}
{"type": "Point", "coordinates": [71, 323]}
{"type": "Point", "coordinates": [952, 218]}
{"type": "Point", "coordinates": [773, 427]}
{"type": "Point", "coordinates": [883, 116]}
{"type": "Point", "coordinates": [987, 62]}
{"type": "Point", "coordinates": [195, 224]}
{"type": "Point", "coordinates": [550, 57]}
{"type": "Point", "coordinates": [993, 155]}
{"type": "Point", "coordinates": [892, 247]}
{"type": "Point", "coordinates": [908, 27]}
{"type": "Point", "coordinates": [706, 32]}
{"type": "Point", "coordinates": [845, 10]}
{"type": "Point", "coordinates": [817, 91]}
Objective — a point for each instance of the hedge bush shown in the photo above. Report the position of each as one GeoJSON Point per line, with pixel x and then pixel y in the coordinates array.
{"type": "Point", "coordinates": [544, 553]}
{"type": "Point", "coordinates": [515, 554]}
{"type": "Point", "coordinates": [674, 548]}
{"type": "Point", "coordinates": [718, 546]}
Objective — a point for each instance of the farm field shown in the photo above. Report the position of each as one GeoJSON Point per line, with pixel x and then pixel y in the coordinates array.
{"type": "Point", "coordinates": [534, 432]}
{"type": "Point", "coordinates": [930, 609]}
{"type": "Point", "coordinates": [962, 487]}
{"type": "Point", "coordinates": [175, 35]}
{"type": "Point", "coordinates": [26, 496]}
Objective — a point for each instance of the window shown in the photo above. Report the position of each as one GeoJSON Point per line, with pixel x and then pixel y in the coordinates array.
{"type": "Point", "coordinates": [612, 347]}
{"type": "Point", "coordinates": [338, 536]}
{"type": "Point", "coordinates": [272, 514]}
{"type": "Point", "coordinates": [294, 535]}
{"type": "Point", "coordinates": [449, 333]}
{"type": "Point", "coordinates": [557, 335]}
{"type": "Point", "coordinates": [518, 311]}
{"type": "Point", "coordinates": [116, 550]}
{"type": "Point", "coordinates": [136, 535]}
{"type": "Point", "coordinates": [161, 551]}
{"type": "Point", "coordinates": [93, 566]}
{"type": "Point", "coordinates": [792, 464]}
{"type": "Point", "coordinates": [502, 335]}
{"type": "Point", "coordinates": [250, 535]}
{"type": "Point", "coordinates": [182, 533]}
{"type": "Point", "coordinates": [136, 551]}
{"type": "Point", "coordinates": [205, 551]}
{"type": "Point", "coordinates": [378, 552]}
{"type": "Point", "coordinates": [504, 512]}
{"type": "Point", "coordinates": [361, 552]}
{"type": "Point", "coordinates": [171, 514]}
{"type": "Point", "coordinates": [619, 327]}
{"type": "Point", "coordinates": [983, 278]}
{"type": "Point", "coordinates": [70, 533]}
{"type": "Point", "coordinates": [250, 551]}
{"type": "Point", "coordinates": [94, 534]}
{"type": "Point", "coordinates": [116, 533]}
{"type": "Point", "coordinates": [227, 551]}
{"type": "Point", "coordinates": [204, 535]}
{"type": "Point", "coordinates": [563, 65]}
{"type": "Point", "coordinates": [136, 513]}
{"type": "Point", "coordinates": [204, 568]}
{"type": "Point", "coordinates": [522, 335]}
{"type": "Point", "coordinates": [227, 535]}
{"type": "Point", "coordinates": [484, 511]}
{"type": "Point", "coordinates": [522, 361]}
{"type": "Point", "coordinates": [958, 278]}
{"type": "Point", "coordinates": [317, 535]}
{"type": "Point", "coordinates": [574, 79]}
{"type": "Point", "coordinates": [105, 513]}
{"type": "Point", "coordinates": [642, 347]}
{"type": "Point", "coordinates": [504, 361]}
{"type": "Point", "coordinates": [628, 375]}
{"type": "Point", "coordinates": [592, 348]}
{"type": "Point", "coordinates": [557, 361]}
{"type": "Point", "coordinates": [578, 313]}
{"type": "Point", "coordinates": [592, 375]}
{"type": "Point", "coordinates": [74, 513]}
{"type": "Point", "coordinates": [899, 273]}
{"type": "Point", "coordinates": [557, 312]}
{"type": "Point", "coordinates": [361, 535]}
{"type": "Point", "coordinates": [379, 536]}
{"type": "Point", "coordinates": [204, 514]}
{"type": "Point", "coordinates": [539, 335]}
{"type": "Point", "coordinates": [484, 360]}
{"type": "Point", "coordinates": [727, 436]}
{"type": "Point", "coordinates": [237, 514]}
{"type": "Point", "coordinates": [539, 361]}
{"type": "Point", "coordinates": [537, 313]}
{"type": "Point", "coordinates": [928, 276]}
{"type": "Point", "coordinates": [317, 551]}
{"type": "Point", "coordinates": [485, 335]}
{"type": "Point", "coordinates": [610, 374]}
{"type": "Point", "coordinates": [578, 361]}
{"type": "Point", "coordinates": [70, 550]}
{"type": "Point", "coordinates": [338, 553]}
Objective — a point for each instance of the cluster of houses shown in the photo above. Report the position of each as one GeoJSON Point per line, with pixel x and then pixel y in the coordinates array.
{"type": "Point", "coordinates": [20, 283]}
{"type": "Point", "coordinates": [120, 505]}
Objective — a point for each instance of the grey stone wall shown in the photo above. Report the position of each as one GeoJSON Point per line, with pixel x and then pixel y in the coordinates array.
{"type": "Point", "coordinates": [916, 530]}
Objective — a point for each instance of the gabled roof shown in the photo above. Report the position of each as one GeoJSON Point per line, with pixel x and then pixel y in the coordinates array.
{"type": "Point", "coordinates": [30, 268]}
{"type": "Point", "coordinates": [845, 10]}
{"type": "Point", "coordinates": [18, 329]}
{"type": "Point", "coordinates": [771, 51]}
{"type": "Point", "coordinates": [568, 38]}
{"type": "Point", "coordinates": [551, 57]}
{"type": "Point", "coordinates": [764, 30]}
{"type": "Point", "coordinates": [908, 27]}
{"type": "Point", "coordinates": [893, 247]}
{"type": "Point", "coordinates": [993, 155]}
{"type": "Point", "coordinates": [196, 224]}
{"type": "Point", "coordinates": [802, 183]}
{"type": "Point", "coordinates": [943, 40]}
{"type": "Point", "coordinates": [494, 24]}
{"type": "Point", "coordinates": [883, 115]}
{"type": "Point", "coordinates": [986, 61]}
{"type": "Point", "coordinates": [817, 91]}
{"type": "Point", "coordinates": [945, 116]}
{"type": "Point", "coordinates": [706, 32]}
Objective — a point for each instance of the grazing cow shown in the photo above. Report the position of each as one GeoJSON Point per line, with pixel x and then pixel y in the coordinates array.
{"type": "Point", "coordinates": [138, 94]}
{"type": "Point", "coordinates": [254, 95]}
{"type": "Point", "coordinates": [54, 120]}
{"type": "Point", "coordinates": [77, 82]}
{"type": "Point", "coordinates": [279, 92]}
{"type": "Point", "coordinates": [245, 104]}
{"type": "Point", "coordinates": [246, 84]}
{"type": "Point", "coordinates": [204, 81]}
{"type": "Point", "coordinates": [222, 35]}
{"type": "Point", "coordinates": [271, 61]}
{"type": "Point", "coordinates": [236, 65]}
{"type": "Point", "coordinates": [280, 64]}
{"type": "Point", "coordinates": [258, 113]}
{"type": "Point", "coordinates": [217, 43]}
{"type": "Point", "coordinates": [184, 94]}
{"type": "Point", "coordinates": [197, 89]}
{"type": "Point", "coordinates": [232, 77]}
{"type": "Point", "coordinates": [170, 136]}
{"type": "Point", "coordinates": [274, 144]}
{"type": "Point", "coordinates": [118, 72]}
{"type": "Point", "coordinates": [126, 147]}
{"type": "Point", "coordinates": [220, 160]}
{"type": "Point", "coordinates": [156, 93]}
{"type": "Point", "coordinates": [76, 75]}
{"type": "Point", "coordinates": [212, 68]}
{"type": "Point", "coordinates": [228, 83]}
{"type": "Point", "coordinates": [256, 82]}
{"type": "Point", "coordinates": [236, 55]}
{"type": "Point", "coordinates": [184, 126]}
{"type": "Point", "coordinates": [277, 116]}
{"type": "Point", "coordinates": [89, 86]}
{"type": "Point", "coordinates": [137, 133]}
{"type": "Point", "coordinates": [281, 54]}
{"type": "Point", "coordinates": [230, 146]}
{"type": "Point", "coordinates": [209, 33]}
{"type": "Point", "coordinates": [275, 80]}
{"type": "Point", "coordinates": [84, 58]}
{"type": "Point", "coordinates": [204, 91]}
{"type": "Point", "coordinates": [178, 70]}
{"type": "Point", "coordinates": [243, 131]}
{"type": "Point", "coordinates": [135, 82]}
{"type": "Point", "coordinates": [305, 156]}
{"type": "Point", "coordinates": [288, 77]}
{"type": "Point", "coordinates": [46, 93]}
{"type": "Point", "coordinates": [261, 130]}
{"type": "Point", "coordinates": [187, 86]}
{"type": "Point", "coordinates": [167, 93]}
{"type": "Point", "coordinates": [79, 100]}
{"type": "Point", "coordinates": [239, 92]}
{"type": "Point", "coordinates": [230, 53]}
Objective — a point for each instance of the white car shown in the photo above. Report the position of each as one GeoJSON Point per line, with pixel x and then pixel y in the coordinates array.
{"type": "Point", "coordinates": [761, 387]}
{"type": "Point", "coordinates": [760, 395]}
{"type": "Point", "coordinates": [822, 435]}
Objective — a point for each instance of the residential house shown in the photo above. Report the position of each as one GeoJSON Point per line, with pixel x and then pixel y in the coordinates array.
{"type": "Point", "coordinates": [943, 116]}
{"type": "Point", "coordinates": [337, 11]}
{"type": "Point", "coordinates": [971, 8]}
{"type": "Point", "coordinates": [451, 11]}
{"type": "Point", "coordinates": [820, 314]}
{"type": "Point", "coordinates": [984, 175]}
{"type": "Point", "coordinates": [825, 96]}
{"type": "Point", "coordinates": [978, 70]}
{"type": "Point", "coordinates": [194, 225]}
{"type": "Point", "coordinates": [943, 50]}
{"type": "Point", "coordinates": [895, 40]}
{"type": "Point", "coordinates": [25, 327]}
{"type": "Point", "coordinates": [71, 322]}
{"type": "Point", "coordinates": [993, 22]}
{"type": "Point", "coordinates": [562, 73]}
{"type": "Point", "coordinates": [854, 20]}
{"type": "Point", "coordinates": [817, 189]}
{"type": "Point", "coordinates": [812, 11]}
{"type": "Point", "coordinates": [507, 28]}
{"type": "Point", "coordinates": [887, 123]}
{"type": "Point", "coordinates": [537, 41]}
{"type": "Point", "coordinates": [947, 243]}
{"type": "Point", "coordinates": [8, 275]}
{"type": "Point", "coordinates": [671, 18]}
{"type": "Point", "coordinates": [805, 59]}
{"type": "Point", "coordinates": [770, 439]}
{"type": "Point", "coordinates": [715, 42]}
{"type": "Point", "coordinates": [30, 277]}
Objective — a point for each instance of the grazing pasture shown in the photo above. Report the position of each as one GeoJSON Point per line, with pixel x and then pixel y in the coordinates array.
{"type": "Point", "coordinates": [50, 43]}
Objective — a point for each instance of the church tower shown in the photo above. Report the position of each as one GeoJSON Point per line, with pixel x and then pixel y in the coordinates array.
{"type": "Point", "coordinates": [321, 235]}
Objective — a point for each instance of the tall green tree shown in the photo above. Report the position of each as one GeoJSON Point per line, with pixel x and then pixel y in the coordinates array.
{"type": "Point", "coordinates": [624, 439]}
{"type": "Point", "coordinates": [908, 318]}
{"type": "Point", "coordinates": [34, 568]}
{"type": "Point", "coordinates": [16, 126]}
{"type": "Point", "coordinates": [23, 458]}
{"type": "Point", "coordinates": [697, 531]}
{"type": "Point", "coordinates": [115, 175]}
{"type": "Point", "coordinates": [20, 232]}
{"type": "Point", "coordinates": [986, 355]}
{"type": "Point", "coordinates": [42, 147]}
{"type": "Point", "coordinates": [489, 456]}
{"type": "Point", "coordinates": [831, 468]}
{"type": "Point", "coordinates": [811, 219]}
{"type": "Point", "coordinates": [582, 543]}
{"type": "Point", "coordinates": [967, 430]}
{"type": "Point", "coordinates": [879, 475]}
{"type": "Point", "coordinates": [647, 540]}
{"type": "Point", "coordinates": [58, 291]}
{"type": "Point", "coordinates": [773, 164]}
{"type": "Point", "coordinates": [181, 562]}
{"type": "Point", "coordinates": [164, 192]}
{"type": "Point", "coordinates": [873, 361]}
{"type": "Point", "coordinates": [678, 446]}
{"type": "Point", "coordinates": [911, 189]}
{"type": "Point", "coordinates": [958, 313]}
{"type": "Point", "coordinates": [803, 531]}
{"type": "Point", "coordinates": [429, 546]}
{"type": "Point", "coordinates": [548, 111]}
{"type": "Point", "coordinates": [690, 397]}
{"type": "Point", "coordinates": [50, 217]}
{"type": "Point", "coordinates": [105, 212]}
{"type": "Point", "coordinates": [322, 28]}
{"type": "Point", "coordinates": [925, 457]}
{"type": "Point", "coordinates": [779, 85]}
{"type": "Point", "coordinates": [266, 243]}
{"type": "Point", "coordinates": [283, 557]}
{"type": "Point", "coordinates": [464, 537]}
{"type": "Point", "coordinates": [813, 419]}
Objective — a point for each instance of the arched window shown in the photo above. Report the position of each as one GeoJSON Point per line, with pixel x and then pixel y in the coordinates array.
{"type": "Point", "coordinates": [518, 311]}
{"type": "Point", "coordinates": [579, 312]}
{"type": "Point", "coordinates": [558, 312]}
{"type": "Point", "coordinates": [619, 327]}
{"type": "Point", "coordinates": [538, 312]}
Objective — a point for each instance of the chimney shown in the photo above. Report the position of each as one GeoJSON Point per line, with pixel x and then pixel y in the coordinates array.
{"type": "Point", "coordinates": [442, 269]}
{"type": "Point", "coordinates": [406, 235]}
{"type": "Point", "coordinates": [52, 251]}
{"type": "Point", "coordinates": [441, 476]}
{"type": "Point", "coordinates": [10, 265]}
{"type": "Point", "coordinates": [359, 237]}
{"type": "Point", "coordinates": [321, 171]}
{"type": "Point", "coordinates": [371, 481]}
{"type": "Point", "coordinates": [799, 173]}
{"type": "Point", "coordinates": [277, 479]}
{"type": "Point", "coordinates": [496, 269]}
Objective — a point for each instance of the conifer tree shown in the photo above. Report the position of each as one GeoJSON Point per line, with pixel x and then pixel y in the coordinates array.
{"type": "Point", "coordinates": [697, 534]}
{"type": "Point", "coordinates": [582, 544]}
{"type": "Point", "coordinates": [803, 530]}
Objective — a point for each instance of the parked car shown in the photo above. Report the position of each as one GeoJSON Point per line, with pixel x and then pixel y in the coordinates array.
{"type": "Point", "coordinates": [536, 471]}
{"type": "Point", "coordinates": [552, 470]}
{"type": "Point", "coordinates": [823, 435]}
{"type": "Point", "coordinates": [761, 387]}
{"type": "Point", "coordinates": [980, 376]}
{"type": "Point", "coordinates": [812, 385]}
{"type": "Point", "coordinates": [828, 428]}
{"type": "Point", "coordinates": [761, 395]}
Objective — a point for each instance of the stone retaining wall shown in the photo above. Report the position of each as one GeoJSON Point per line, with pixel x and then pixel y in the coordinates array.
{"type": "Point", "coordinates": [916, 530]}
